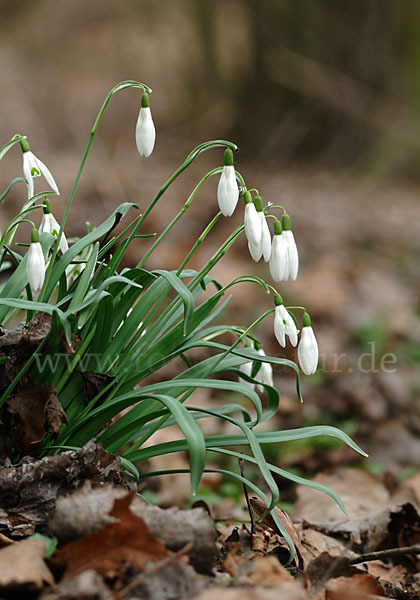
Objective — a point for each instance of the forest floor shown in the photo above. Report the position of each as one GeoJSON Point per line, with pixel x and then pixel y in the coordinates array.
{"type": "Point", "coordinates": [359, 249]}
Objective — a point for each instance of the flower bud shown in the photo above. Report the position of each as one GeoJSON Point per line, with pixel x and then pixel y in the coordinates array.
{"type": "Point", "coordinates": [145, 128]}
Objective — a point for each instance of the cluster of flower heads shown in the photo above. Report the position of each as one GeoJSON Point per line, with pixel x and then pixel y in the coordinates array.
{"type": "Point", "coordinates": [34, 167]}
{"type": "Point", "coordinates": [282, 256]}
{"type": "Point", "coordinates": [280, 251]}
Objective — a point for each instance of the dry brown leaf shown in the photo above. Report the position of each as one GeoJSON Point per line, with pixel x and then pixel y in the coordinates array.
{"type": "Point", "coordinates": [93, 383]}
{"type": "Point", "coordinates": [290, 590]}
{"type": "Point", "coordinates": [412, 484]}
{"type": "Point", "coordinates": [86, 511]}
{"type": "Point", "coordinates": [350, 485]}
{"type": "Point", "coordinates": [314, 543]}
{"type": "Point", "coordinates": [395, 575]}
{"type": "Point", "coordinates": [86, 586]}
{"type": "Point", "coordinates": [28, 492]}
{"type": "Point", "coordinates": [357, 587]}
{"type": "Point", "coordinates": [126, 544]}
{"type": "Point", "coordinates": [259, 507]}
{"type": "Point", "coordinates": [34, 411]}
{"type": "Point", "coordinates": [165, 580]}
{"type": "Point", "coordinates": [22, 566]}
{"type": "Point", "coordinates": [262, 571]}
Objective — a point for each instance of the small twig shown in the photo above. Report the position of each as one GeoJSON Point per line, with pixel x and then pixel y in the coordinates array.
{"type": "Point", "coordinates": [251, 514]}
{"type": "Point", "coordinates": [386, 554]}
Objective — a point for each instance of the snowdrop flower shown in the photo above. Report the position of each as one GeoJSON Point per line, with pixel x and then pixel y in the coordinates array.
{"type": "Point", "coordinates": [50, 225]}
{"type": "Point", "coordinates": [265, 374]}
{"type": "Point", "coordinates": [279, 257]}
{"type": "Point", "coordinates": [227, 190]}
{"type": "Point", "coordinates": [264, 247]}
{"type": "Point", "coordinates": [35, 264]}
{"type": "Point", "coordinates": [145, 128]}
{"type": "Point", "coordinates": [253, 228]}
{"type": "Point", "coordinates": [308, 347]}
{"type": "Point", "coordinates": [284, 323]}
{"type": "Point", "coordinates": [33, 167]}
{"type": "Point", "coordinates": [247, 369]}
{"type": "Point", "coordinates": [75, 269]}
{"type": "Point", "coordinates": [292, 252]}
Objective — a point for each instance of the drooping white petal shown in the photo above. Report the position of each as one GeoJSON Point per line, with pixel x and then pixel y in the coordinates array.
{"type": "Point", "coordinates": [227, 191]}
{"type": "Point", "coordinates": [33, 167]}
{"type": "Point", "coordinates": [50, 225]}
{"type": "Point", "coordinates": [289, 325]}
{"type": "Point", "coordinates": [265, 374]}
{"type": "Point", "coordinates": [47, 174]}
{"type": "Point", "coordinates": [35, 267]}
{"type": "Point", "coordinates": [265, 238]}
{"type": "Point", "coordinates": [145, 132]}
{"type": "Point", "coordinates": [279, 261]}
{"type": "Point", "coordinates": [292, 254]}
{"type": "Point", "coordinates": [253, 227]}
{"type": "Point", "coordinates": [264, 247]}
{"type": "Point", "coordinates": [308, 351]}
{"type": "Point", "coordinates": [28, 165]}
{"type": "Point", "coordinates": [279, 327]}
{"type": "Point", "coordinates": [247, 369]}
{"type": "Point", "coordinates": [255, 251]}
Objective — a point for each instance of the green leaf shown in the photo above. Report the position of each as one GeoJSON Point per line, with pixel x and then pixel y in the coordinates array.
{"type": "Point", "coordinates": [287, 475]}
{"type": "Point", "coordinates": [49, 543]}
{"type": "Point", "coordinates": [217, 441]}
{"type": "Point", "coordinates": [183, 291]}
{"type": "Point", "coordinates": [64, 261]}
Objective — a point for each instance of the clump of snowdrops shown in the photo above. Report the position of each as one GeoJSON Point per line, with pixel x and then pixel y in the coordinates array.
{"type": "Point", "coordinates": [124, 324]}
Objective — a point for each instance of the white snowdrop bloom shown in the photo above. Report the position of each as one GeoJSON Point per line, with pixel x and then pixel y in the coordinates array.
{"type": "Point", "coordinates": [247, 369]}
{"type": "Point", "coordinates": [265, 374]}
{"type": "Point", "coordinates": [265, 238]}
{"type": "Point", "coordinates": [308, 348]}
{"type": "Point", "coordinates": [284, 324]}
{"type": "Point", "coordinates": [264, 246]}
{"type": "Point", "coordinates": [279, 259]}
{"type": "Point", "coordinates": [33, 167]}
{"type": "Point", "coordinates": [253, 227]}
{"type": "Point", "coordinates": [145, 129]}
{"type": "Point", "coordinates": [75, 269]}
{"type": "Point", "coordinates": [35, 264]}
{"type": "Point", "coordinates": [227, 190]}
{"type": "Point", "coordinates": [292, 251]}
{"type": "Point", "coordinates": [50, 225]}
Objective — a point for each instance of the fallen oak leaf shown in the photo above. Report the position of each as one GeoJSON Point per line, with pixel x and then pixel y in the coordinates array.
{"type": "Point", "coordinates": [124, 544]}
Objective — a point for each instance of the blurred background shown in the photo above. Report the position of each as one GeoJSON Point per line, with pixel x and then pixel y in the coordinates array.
{"type": "Point", "coordinates": [323, 100]}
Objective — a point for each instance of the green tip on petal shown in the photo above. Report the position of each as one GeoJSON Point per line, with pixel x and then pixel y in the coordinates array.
{"type": "Point", "coordinates": [25, 145]}
{"type": "Point", "coordinates": [145, 100]}
{"type": "Point", "coordinates": [306, 320]}
{"type": "Point", "coordinates": [277, 228]}
{"type": "Point", "coordinates": [247, 197]}
{"type": "Point", "coordinates": [258, 203]}
{"type": "Point", "coordinates": [286, 222]}
{"type": "Point", "coordinates": [228, 158]}
{"type": "Point", "coordinates": [47, 207]}
{"type": "Point", "coordinates": [278, 300]}
{"type": "Point", "coordinates": [34, 236]}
